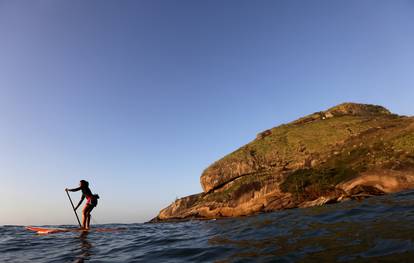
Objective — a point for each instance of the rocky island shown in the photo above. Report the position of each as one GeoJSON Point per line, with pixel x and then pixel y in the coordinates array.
{"type": "Point", "coordinates": [350, 151]}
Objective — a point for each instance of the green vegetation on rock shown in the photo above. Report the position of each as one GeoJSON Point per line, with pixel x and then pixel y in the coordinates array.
{"type": "Point", "coordinates": [308, 184]}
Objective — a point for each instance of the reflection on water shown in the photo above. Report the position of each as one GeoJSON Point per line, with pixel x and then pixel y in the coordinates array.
{"type": "Point", "coordinates": [379, 228]}
{"type": "Point", "coordinates": [85, 247]}
{"type": "Point", "coordinates": [374, 230]}
{"type": "Point", "coordinates": [332, 242]}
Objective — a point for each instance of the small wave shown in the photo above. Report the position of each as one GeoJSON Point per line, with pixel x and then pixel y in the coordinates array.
{"type": "Point", "coordinates": [378, 228]}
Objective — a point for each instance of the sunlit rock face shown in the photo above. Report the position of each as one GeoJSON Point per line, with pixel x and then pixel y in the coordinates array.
{"type": "Point", "coordinates": [348, 151]}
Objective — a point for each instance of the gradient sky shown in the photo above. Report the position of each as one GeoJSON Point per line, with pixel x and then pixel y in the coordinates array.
{"type": "Point", "coordinates": [139, 97]}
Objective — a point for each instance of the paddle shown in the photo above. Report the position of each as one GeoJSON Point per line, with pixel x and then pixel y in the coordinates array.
{"type": "Point", "coordinates": [73, 208]}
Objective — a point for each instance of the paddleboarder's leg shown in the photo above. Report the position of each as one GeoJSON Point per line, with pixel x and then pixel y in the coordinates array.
{"type": "Point", "coordinates": [84, 216]}
{"type": "Point", "coordinates": [87, 216]}
{"type": "Point", "coordinates": [88, 221]}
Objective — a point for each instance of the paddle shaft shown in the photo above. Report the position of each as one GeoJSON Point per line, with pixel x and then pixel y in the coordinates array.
{"type": "Point", "coordinates": [67, 192]}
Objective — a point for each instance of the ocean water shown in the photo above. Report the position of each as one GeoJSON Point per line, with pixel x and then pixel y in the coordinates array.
{"type": "Point", "coordinates": [378, 229]}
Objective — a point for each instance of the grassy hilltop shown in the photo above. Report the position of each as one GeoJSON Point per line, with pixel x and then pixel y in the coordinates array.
{"type": "Point", "coordinates": [348, 151]}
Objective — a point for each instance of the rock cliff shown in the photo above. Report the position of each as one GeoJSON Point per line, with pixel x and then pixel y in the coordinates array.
{"type": "Point", "coordinates": [348, 151]}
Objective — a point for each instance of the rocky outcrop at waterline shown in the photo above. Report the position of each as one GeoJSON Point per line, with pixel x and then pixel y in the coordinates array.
{"type": "Point", "coordinates": [348, 151]}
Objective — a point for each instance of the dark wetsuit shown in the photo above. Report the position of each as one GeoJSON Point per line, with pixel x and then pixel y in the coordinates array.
{"type": "Point", "coordinates": [86, 192]}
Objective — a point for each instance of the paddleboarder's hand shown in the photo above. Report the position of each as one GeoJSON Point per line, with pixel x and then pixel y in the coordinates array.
{"type": "Point", "coordinates": [66, 189]}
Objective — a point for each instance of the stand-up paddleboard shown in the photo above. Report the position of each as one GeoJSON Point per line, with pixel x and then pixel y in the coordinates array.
{"type": "Point", "coordinates": [49, 230]}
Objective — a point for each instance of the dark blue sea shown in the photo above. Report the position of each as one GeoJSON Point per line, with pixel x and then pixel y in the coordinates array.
{"type": "Point", "coordinates": [378, 229]}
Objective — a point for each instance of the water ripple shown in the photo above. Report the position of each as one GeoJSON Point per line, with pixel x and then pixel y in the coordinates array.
{"type": "Point", "coordinates": [377, 229]}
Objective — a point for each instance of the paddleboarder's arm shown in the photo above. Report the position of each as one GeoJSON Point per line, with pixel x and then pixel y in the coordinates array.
{"type": "Point", "coordinates": [80, 202]}
{"type": "Point", "coordinates": [73, 190]}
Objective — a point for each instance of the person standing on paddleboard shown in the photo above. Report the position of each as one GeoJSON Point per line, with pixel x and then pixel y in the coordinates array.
{"type": "Point", "coordinates": [91, 202]}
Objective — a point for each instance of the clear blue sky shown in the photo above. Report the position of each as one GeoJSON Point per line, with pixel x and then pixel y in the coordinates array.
{"type": "Point", "coordinates": [138, 97]}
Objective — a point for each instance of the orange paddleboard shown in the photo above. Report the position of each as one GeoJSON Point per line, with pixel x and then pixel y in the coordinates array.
{"type": "Point", "coordinates": [48, 230]}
